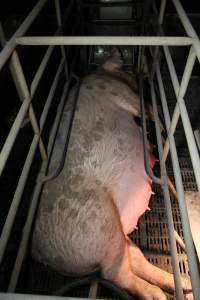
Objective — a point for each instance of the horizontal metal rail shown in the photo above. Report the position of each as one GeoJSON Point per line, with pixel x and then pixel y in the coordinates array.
{"type": "Point", "coordinates": [180, 191]}
{"type": "Point", "coordinates": [104, 40]}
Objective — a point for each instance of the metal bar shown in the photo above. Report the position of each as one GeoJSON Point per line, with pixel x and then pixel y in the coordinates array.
{"type": "Point", "coordinates": [12, 135]}
{"type": "Point", "coordinates": [162, 11]}
{"type": "Point", "coordinates": [145, 141]}
{"type": "Point", "coordinates": [180, 191]}
{"type": "Point", "coordinates": [178, 92]}
{"type": "Point", "coordinates": [10, 45]}
{"type": "Point", "coordinates": [105, 40]}
{"type": "Point", "coordinates": [40, 70]}
{"type": "Point", "coordinates": [184, 19]}
{"type": "Point", "coordinates": [17, 197]}
{"type": "Point", "coordinates": [51, 94]}
{"type": "Point", "coordinates": [24, 174]}
{"type": "Point", "coordinates": [181, 109]}
{"type": "Point", "coordinates": [197, 137]}
{"type": "Point", "coordinates": [33, 206]}
{"type": "Point", "coordinates": [93, 289]}
{"type": "Point", "coordinates": [125, 22]}
{"type": "Point", "coordinates": [175, 264]}
{"type": "Point", "coordinates": [146, 7]}
{"type": "Point", "coordinates": [156, 50]}
{"type": "Point", "coordinates": [66, 136]}
{"type": "Point", "coordinates": [59, 21]}
{"type": "Point", "coordinates": [20, 82]}
{"type": "Point", "coordinates": [111, 4]}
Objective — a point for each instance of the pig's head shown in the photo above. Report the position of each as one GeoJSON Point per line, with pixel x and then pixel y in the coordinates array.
{"type": "Point", "coordinates": [113, 66]}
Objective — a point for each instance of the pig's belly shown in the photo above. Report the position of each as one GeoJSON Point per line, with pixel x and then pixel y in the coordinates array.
{"type": "Point", "coordinates": [132, 194]}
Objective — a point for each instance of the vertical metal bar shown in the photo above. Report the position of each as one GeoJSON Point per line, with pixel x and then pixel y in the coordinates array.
{"type": "Point", "coordinates": [7, 147]}
{"type": "Point", "coordinates": [17, 197]}
{"type": "Point", "coordinates": [162, 11]}
{"type": "Point", "coordinates": [22, 88]}
{"type": "Point", "coordinates": [156, 50]}
{"type": "Point", "coordinates": [175, 264]}
{"type": "Point", "coordinates": [179, 91]}
{"type": "Point", "coordinates": [34, 201]}
{"type": "Point", "coordinates": [180, 191]}
{"type": "Point", "coordinates": [59, 21]}
{"type": "Point", "coordinates": [181, 109]}
{"type": "Point", "coordinates": [146, 7]}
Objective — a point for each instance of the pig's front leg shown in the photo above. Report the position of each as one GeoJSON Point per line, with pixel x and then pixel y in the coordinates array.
{"type": "Point", "coordinates": [145, 270]}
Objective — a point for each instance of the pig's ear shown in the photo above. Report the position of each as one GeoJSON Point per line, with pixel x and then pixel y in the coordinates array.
{"type": "Point", "coordinates": [114, 61]}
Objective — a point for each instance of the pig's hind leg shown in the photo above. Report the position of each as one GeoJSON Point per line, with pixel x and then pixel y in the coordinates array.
{"type": "Point", "coordinates": [116, 261]}
{"type": "Point", "coordinates": [117, 268]}
{"type": "Point", "coordinates": [145, 270]}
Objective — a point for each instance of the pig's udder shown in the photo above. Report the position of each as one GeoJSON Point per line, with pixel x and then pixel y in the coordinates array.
{"type": "Point", "coordinates": [132, 194]}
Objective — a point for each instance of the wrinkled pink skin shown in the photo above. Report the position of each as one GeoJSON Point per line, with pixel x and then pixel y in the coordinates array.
{"type": "Point", "coordinates": [87, 211]}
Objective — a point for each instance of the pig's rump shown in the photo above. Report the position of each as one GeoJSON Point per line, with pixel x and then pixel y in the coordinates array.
{"type": "Point", "coordinates": [103, 188]}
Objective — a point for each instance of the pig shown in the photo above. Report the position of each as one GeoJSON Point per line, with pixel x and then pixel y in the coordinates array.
{"type": "Point", "coordinates": [87, 212]}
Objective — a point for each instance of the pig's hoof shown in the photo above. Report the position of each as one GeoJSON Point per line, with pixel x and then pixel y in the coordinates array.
{"type": "Point", "coordinates": [189, 296]}
{"type": "Point", "coordinates": [154, 293]}
{"type": "Point", "coordinates": [186, 284]}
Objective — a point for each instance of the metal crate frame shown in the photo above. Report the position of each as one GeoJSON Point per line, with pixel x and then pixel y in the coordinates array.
{"type": "Point", "coordinates": [9, 52]}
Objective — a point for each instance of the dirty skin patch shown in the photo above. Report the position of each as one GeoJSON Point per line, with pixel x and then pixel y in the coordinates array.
{"type": "Point", "coordinates": [114, 94]}
{"type": "Point", "coordinates": [89, 87]}
{"type": "Point", "coordinates": [102, 86]}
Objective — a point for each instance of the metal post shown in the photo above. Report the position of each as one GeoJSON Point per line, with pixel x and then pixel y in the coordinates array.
{"type": "Point", "coordinates": [177, 279]}
{"type": "Point", "coordinates": [156, 50]}
{"type": "Point", "coordinates": [59, 21]}
{"type": "Point", "coordinates": [181, 109]}
{"type": "Point", "coordinates": [180, 191]}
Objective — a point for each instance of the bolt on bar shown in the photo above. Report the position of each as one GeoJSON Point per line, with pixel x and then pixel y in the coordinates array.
{"type": "Point", "coordinates": [180, 191]}
{"type": "Point", "coordinates": [104, 40]}
{"type": "Point", "coordinates": [24, 174]}
{"type": "Point", "coordinates": [10, 45]}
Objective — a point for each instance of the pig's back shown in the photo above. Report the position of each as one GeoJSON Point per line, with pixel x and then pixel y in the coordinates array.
{"type": "Point", "coordinates": [77, 214]}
